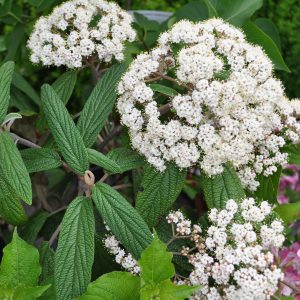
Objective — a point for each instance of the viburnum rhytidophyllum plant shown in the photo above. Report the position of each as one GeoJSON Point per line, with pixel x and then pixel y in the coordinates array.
{"type": "Point", "coordinates": [228, 106]}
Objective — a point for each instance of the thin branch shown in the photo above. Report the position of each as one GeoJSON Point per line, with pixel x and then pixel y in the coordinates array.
{"type": "Point", "coordinates": [104, 177]}
{"type": "Point", "coordinates": [24, 142]}
{"type": "Point", "coordinates": [165, 108]}
{"type": "Point", "coordinates": [122, 186]}
{"type": "Point", "coordinates": [57, 211]}
{"type": "Point", "coordinates": [110, 136]}
{"type": "Point", "coordinates": [55, 235]}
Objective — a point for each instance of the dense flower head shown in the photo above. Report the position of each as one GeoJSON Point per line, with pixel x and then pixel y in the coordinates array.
{"type": "Point", "coordinates": [78, 29]}
{"type": "Point", "coordinates": [229, 106]}
{"type": "Point", "coordinates": [233, 258]}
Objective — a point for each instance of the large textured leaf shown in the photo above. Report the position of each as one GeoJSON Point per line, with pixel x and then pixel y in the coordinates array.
{"type": "Point", "coordinates": [124, 221]}
{"type": "Point", "coordinates": [75, 251]}
{"type": "Point", "coordinates": [126, 159]}
{"type": "Point", "coordinates": [46, 262]}
{"type": "Point", "coordinates": [20, 264]}
{"type": "Point", "coordinates": [194, 11]}
{"type": "Point", "coordinates": [40, 159]}
{"type": "Point", "coordinates": [66, 135]}
{"type": "Point", "coordinates": [6, 72]}
{"type": "Point", "coordinates": [156, 262]}
{"type": "Point", "coordinates": [160, 192]}
{"type": "Point", "coordinates": [268, 187]}
{"type": "Point", "coordinates": [220, 188]}
{"type": "Point", "coordinates": [99, 159]}
{"type": "Point", "coordinates": [12, 168]}
{"type": "Point", "coordinates": [236, 12]}
{"type": "Point", "coordinates": [99, 105]}
{"type": "Point", "coordinates": [11, 209]}
{"type": "Point", "coordinates": [258, 36]}
{"type": "Point", "coordinates": [113, 286]}
{"type": "Point", "coordinates": [289, 213]}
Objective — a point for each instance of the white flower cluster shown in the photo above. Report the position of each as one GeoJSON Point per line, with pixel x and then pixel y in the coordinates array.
{"type": "Point", "coordinates": [122, 258]}
{"type": "Point", "coordinates": [233, 260]}
{"type": "Point", "coordinates": [78, 29]}
{"type": "Point", "coordinates": [229, 106]}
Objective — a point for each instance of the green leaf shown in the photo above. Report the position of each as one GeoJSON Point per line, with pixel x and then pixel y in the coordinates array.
{"type": "Point", "coordinates": [268, 188]}
{"type": "Point", "coordinates": [64, 85]}
{"type": "Point", "coordinates": [99, 105]}
{"type": "Point", "coordinates": [289, 213]}
{"type": "Point", "coordinates": [123, 220]}
{"type": "Point", "coordinates": [20, 264]}
{"type": "Point", "coordinates": [40, 159]}
{"type": "Point", "coordinates": [193, 11]}
{"type": "Point", "coordinates": [163, 89]}
{"type": "Point", "coordinates": [75, 251]}
{"type": "Point", "coordinates": [12, 168]}
{"type": "Point", "coordinates": [113, 286]}
{"type": "Point", "coordinates": [160, 190]}
{"type": "Point", "coordinates": [236, 12]}
{"type": "Point", "coordinates": [66, 134]}
{"type": "Point", "coordinates": [294, 154]}
{"type": "Point", "coordinates": [156, 262]}
{"type": "Point", "coordinates": [257, 36]}
{"type": "Point", "coordinates": [30, 232]}
{"type": "Point", "coordinates": [15, 38]}
{"type": "Point", "coordinates": [6, 72]}
{"type": "Point", "coordinates": [23, 292]}
{"type": "Point", "coordinates": [218, 189]}
{"type": "Point", "coordinates": [46, 262]}
{"type": "Point", "coordinates": [12, 117]}
{"type": "Point", "coordinates": [126, 159]}
{"type": "Point", "coordinates": [99, 159]}
{"type": "Point", "coordinates": [11, 209]}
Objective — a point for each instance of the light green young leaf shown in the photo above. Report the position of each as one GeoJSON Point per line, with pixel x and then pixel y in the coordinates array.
{"type": "Point", "coordinates": [123, 220]}
{"type": "Point", "coordinates": [99, 105]}
{"type": "Point", "coordinates": [66, 134]}
{"type": "Point", "coordinates": [75, 251]}
{"type": "Point", "coordinates": [160, 190]}
{"type": "Point", "coordinates": [22, 292]}
{"type": "Point", "coordinates": [220, 188]}
{"type": "Point", "coordinates": [257, 36]}
{"type": "Point", "coordinates": [99, 159]}
{"type": "Point", "coordinates": [20, 264]}
{"type": "Point", "coordinates": [12, 117]}
{"type": "Point", "coordinates": [156, 262]}
{"type": "Point", "coordinates": [268, 188]}
{"type": "Point", "coordinates": [12, 168]}
{"type": "Point", "coordinates": [289, 213]}
{"type": "Point", "coordinates": [236, 12]}
{"type": "Point", "coordinates": [11, 209]}
{"type": "Point", "coordinates": [6, 72]}
{"type": "Point", "coordinates": [40, 159]}
{"type": "Point", "coordinates": [163, 89]}
{"type": "Point", "coordinates": [126, 158]}
{"type": "Point", "coordinates": [113, 286]}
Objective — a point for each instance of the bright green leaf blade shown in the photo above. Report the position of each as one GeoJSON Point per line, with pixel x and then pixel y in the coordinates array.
{"type": "Point", "coordinates": [75, 251]}
{"type": "Point", "coordinates": [12, 117]}
{"type": "Point", "coordinates": [268, 188]}
{"type": "Point", "coordinates": [46, 262]}
{"type": "Point", "coordinates": [236, 12]}
{"type": "Point", "coordinates": [40, 159]}
{"type": "Point", "coordinates": [99, 159]}
{"type": "Point", "coordinates": [289, 213]}
{"type": "Point", "coordinates": [20, 264]}
{"type": "Point", "coordinates": [156, 262]}
{"type": "Point", "coordinates": [99, 105]}
{"type": "Point", "coordinates": [123, 220]}
{"type": "Point", "coordinates": [257, 36]}
{"type": "Point", "coordinates": [163, 89]}
{"type": "Point", "coordinates": [126, 159]}
{"type": "Point", "coordinates": [29, 293]}
{"type": "Point", "coordinates": [193, 11]}
{"type": "Point", "coordinates": [11, 209]}
{"type": "Point", "coordinates": [294, 154]}
{"type": "Point", "coordinates": [30, 231]}
{"type": "Point", "coordinates": [6, 72]}
{"type": "Point", "coordinates": [66, 134]}
{"type": "Point", "coordinates": [113, 286]}
{"type": "Point", "coordinates": [160, 190]}
{"type": "Point", "coordinates": [220, 188]}
{"type": "Point", "coordinates": [12, 168]}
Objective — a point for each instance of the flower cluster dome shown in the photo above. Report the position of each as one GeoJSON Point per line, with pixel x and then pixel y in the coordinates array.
{"type": "Point", "coordinates": [78, 29]}
{"type": "Point", "coordinates": [228, 106]}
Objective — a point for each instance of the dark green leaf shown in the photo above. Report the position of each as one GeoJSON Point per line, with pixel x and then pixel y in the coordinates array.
{"type": "Point", "coordinates": [113, 286]}
{"type": "Point", "coordinates": [46, 262]}
{"type": "Point", "coordinates": [123, 220]}
{"type": "Point", "coordinates": [99, 105]}
{"type": "Point", "coordinates": [218, 189]}
{"type": "Point", "coordinates": [66, 134]}
{"type": "Point", "coordinates": [12, 168]}
{"type": "Point", "coordinates": [75, 251]}
{"type": "Point", "coordinates": [15, 39]}
{"type": "Point", "coordinates": [257, 36]}
{"type": "Point", "coordinates": [6, 72]}
{"type": "Point", "coordinates": [160, 192]}
{"type": "Point", "coordinates": [289, 213]}
{"type": "Point", "coordinates": [163, 89]}
{"type": "Point", "coordinates": [294, 154]}
{"type": "Point", "coordinates": [40, 159]}
{"type": "Point", "coordinates": [193, 11]}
